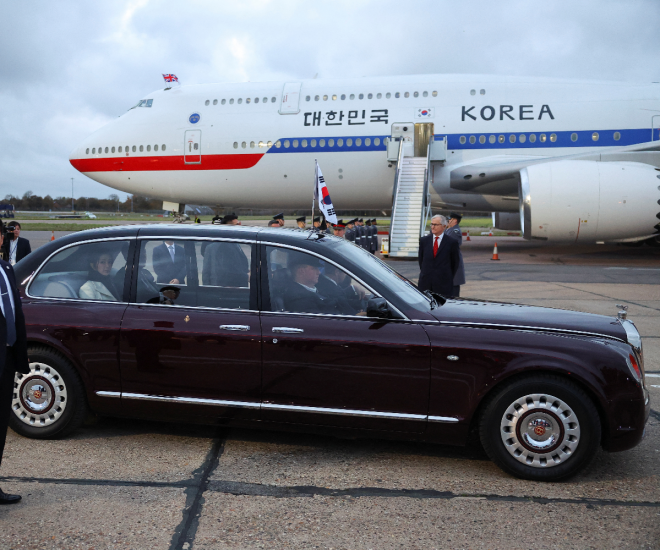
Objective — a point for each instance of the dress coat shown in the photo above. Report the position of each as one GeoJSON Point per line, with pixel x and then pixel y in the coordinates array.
{"type": "Point", "coordinates": [165, 269]}
{"type": "Point", "coordinates": [456, 233]}
{"type": "Point", "coordinates": [96, 290]}
{"type": "Point", "coordinates": [437, 273]}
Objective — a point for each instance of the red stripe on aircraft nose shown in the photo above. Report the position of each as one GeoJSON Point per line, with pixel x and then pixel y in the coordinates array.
{"type": "Point", "coordinates": [152, 164]}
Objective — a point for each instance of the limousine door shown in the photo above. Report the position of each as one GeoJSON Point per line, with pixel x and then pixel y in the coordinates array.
{"type": "Point", "coordinates": [342, 368]}
{"type": "Point", "coordinates": [191, 339]}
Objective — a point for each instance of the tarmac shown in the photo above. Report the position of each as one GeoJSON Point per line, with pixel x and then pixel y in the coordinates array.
{"type": "Point", "coordinates": [136, 484]}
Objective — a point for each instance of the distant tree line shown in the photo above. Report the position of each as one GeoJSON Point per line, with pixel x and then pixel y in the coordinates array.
{"type": "Point", "coordinates": [30, 201]}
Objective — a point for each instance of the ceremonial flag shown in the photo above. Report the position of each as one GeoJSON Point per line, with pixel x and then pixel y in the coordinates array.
{"type": "Point", "coordinates": [323, 197]}
{"type": "Point", "coordinates": [170, 78]}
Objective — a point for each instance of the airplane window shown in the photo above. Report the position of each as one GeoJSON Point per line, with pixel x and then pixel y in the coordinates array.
{"type": "Point", "coordinates": [388, 95]}
{"type": "Point", "coordinates": [594, 136]}
{"type": "Point", "coordinates": [134, 149]}
{"type": "Point", "coordinates": [492, 139]}
{"type": "Point", "coordinates": [370, 96]}
{"type": "Point", "coordinates": [462, 140]}
{"type": "Point", "coordinates": [100, 150]}
{"type": "Point", "coordinates": [262, 144]}
{"type": "Point", "coordinates": [270, 144]}
{"type": "Point", "coordinates": [286, 144]}
{"type": "Point", "coordinates": [331, 143]}
{"type": "Point", "coordinates": [252, 145]}
{"type": "Point", "coordinates": [532, 138]}
{"type": "Point", "coordinates": [501, 139]}
{"type": "Point", "coordinates": [334, 97]}
{"type": "Point", "coordinates": [236, 145]}
{"type": "Point", "coordinates": [313, 143]}
{"type": "Point", "coordinates": [352, 96]}
{"type": "Point", "coordinates": [106, 149]}
{"type": "Point", "coordinates": [472, 92]}
{"type": "Point", "coordinates": [416, 94]}
{"type": "Point", "coordinates": [304, 143]}
{"type": "Point", "coordinates": [358, 142]}
{"type": "Point", "coordinates": [522, 138]}
{"type": "Point", "coordinates": [149, 147]}
{"type": "Point", "coordinates": [407, 94]}
{"type": "Point", "coordinates": [112, 150]}
{"type": "Point", "coordinates": [243, 145]}
{"type": "Point", "coordinates": [322, 143]}
{"type": "Point", "coordinates": [247, 100]}
{"type": "Point", "coordinates": [273, 99]}
{"type": "Point", "coordinates": [349, 142]}
{"type": "Point", "coordinates": [162, 147]}
{"type": "Point", "coordinates": [343, 97]}
{"type": "Point", "coordinates": [378, 96]}
{"type": "Point", "coordinates": [617, 136]}
{"type": "Point", "coordinates": [425, 94]}
{"type": "Point", "coordinates": [295, 143]}
{"type": "Point", "coordinates": [512, 138]}
{"type": "Point", "coordinates": [340, 142]}
{"type": "Point", "coordinates": [367, 141]}
{"type": "Point", "coordinates": [553, 137]}
{"type": "Point", "coordinates": [482, 92]}
{"type": "Point", "coordinates": [141, 148]}
{"type": "Point", "coordinates": [215, 102]}
{"type": "Point", "coordinates": [376, 141]}
{"type": "Point", "coordinates": [155, 148]}
{"type": "Point", "coordinates": [207, 102]}
{"type": "Point", "coordinates": [361, 96]}
{"type": "Point", "coordinates": [542, 138]}
{"type": "Point", "coordinates": [119, 150]}
{"type": "Point", "coordinates": [195, 146]}
{"type": "Point", "coordinates": [87, 151]}
{"type": "Point", "coordinates": [239, 100]}
{"type": "Point", "coordinates": [256, 100]}
{"type": "Point", "coordinates": [264, 100]}
{"type": "Point", "coordinates": [482, 139]}
{"type": "Point", "coordinates": [231, 101]}
{"type": "Point", "coordinates": [307, 98]}
{"type": "Point", "coordinates": [397, 95]}
{"type": "Point", "coordinates": [435, 93]}
{"type": "Point", "coordinates": [223, 101]}
{"type": "Point", "coordinates": [473, 139]}
{"type": "Point", "coordinates": [325, 98]}
{"type": "Point", "coordinates": [278, 144]}
{"type": "Point", "coordinates": [574, 137]}
{"type": "Point", "coordinates": [316, 97]}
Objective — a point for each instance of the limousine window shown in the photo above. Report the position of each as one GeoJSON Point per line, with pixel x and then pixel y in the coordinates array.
{"type": "Point", "coordinates": [195, 273]}
{"type": "Point", "coordinates": [302, 283]}
{"type": "Point", "coordinates": [93, 271]}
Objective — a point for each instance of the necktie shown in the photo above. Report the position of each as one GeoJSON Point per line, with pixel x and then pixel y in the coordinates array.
{"type": "Point", "coordinates": [171, 249]}
{"type": "Point", "coordinates": [9, 312]}
{"type": "Point", "coordinates": [435, 247]}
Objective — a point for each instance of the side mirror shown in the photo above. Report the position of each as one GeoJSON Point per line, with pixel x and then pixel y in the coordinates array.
{"type": "Point", "coordinates": [378, 307]}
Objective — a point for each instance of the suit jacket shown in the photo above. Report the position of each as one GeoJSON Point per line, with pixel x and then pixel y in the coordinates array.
{"type": "Point", "coordinates": [23, 248]}
{"type": "Point", "coordinates": [437, 273]}
{"type": "Point", "coordinates": [20, 346]}
{"type": "Point", "coordinates": [347, 299]}
{"type": "Point", "coordinates": [165, 269]}
{"type": "Point", "coordinates": [456, 233]}
{"type": "Point", "coordinates": [225, 264]}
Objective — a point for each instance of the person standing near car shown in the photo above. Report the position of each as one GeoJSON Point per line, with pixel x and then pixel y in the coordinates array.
{"type": "Point", "coordinates": [15, 247]}
{"type": "Point", "coordinates": [454, 230]}
{"type": "Point", "coordinates": [169, 263]}
{"type": "Point", "coordinates": [438, 259]}
{"type": "Point", "coordinates": [13, 350]}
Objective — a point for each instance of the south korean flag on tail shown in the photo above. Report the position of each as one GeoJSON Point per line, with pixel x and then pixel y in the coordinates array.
{"type": "Point", "coordinates": [323, 197]}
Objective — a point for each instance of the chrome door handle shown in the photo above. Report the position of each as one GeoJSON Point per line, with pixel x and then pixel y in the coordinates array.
{"type": "Point", "coordinates": [235, 327]}
{"type": "Point", "coordinates": [288, 330]}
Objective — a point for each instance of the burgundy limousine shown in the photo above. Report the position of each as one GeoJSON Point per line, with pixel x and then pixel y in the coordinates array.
{"type": "Point", "coordinates": [290, 329]}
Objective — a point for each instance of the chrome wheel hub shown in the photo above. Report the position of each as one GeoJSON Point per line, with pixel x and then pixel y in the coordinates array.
{"type": "Point", "coordinates": [540, 430]}
{"type": "Point", "coordinates": [39, 397]}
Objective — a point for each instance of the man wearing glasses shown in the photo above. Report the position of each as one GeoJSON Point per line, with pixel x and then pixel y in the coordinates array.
{"type": "Point", "coordinates": [438, 259]}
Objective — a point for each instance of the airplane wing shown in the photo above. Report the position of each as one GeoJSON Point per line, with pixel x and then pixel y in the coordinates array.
{"type": "Point", "coordinates": [499, 174]}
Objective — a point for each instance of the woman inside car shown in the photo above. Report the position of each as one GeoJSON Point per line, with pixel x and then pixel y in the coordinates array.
{"type": "Point", "coordinates": [99, 285]}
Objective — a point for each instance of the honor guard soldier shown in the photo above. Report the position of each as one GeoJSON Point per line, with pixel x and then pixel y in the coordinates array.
{"type": "Point", "coordinates": [350, 230]}
{"type": "Point", "coordinates": [316, 224]}
{"type": "Point", "coordinates": [374, 236]}
{"type": "Point", "coordinates": [361, 238]}
{"type": "Point", "coordinates": [339, 229]}
{"type": "Point", "coordinates": [454, 230]}
{"type": "Point", "coordinates": [279, 218]}
{"type": "Point", "coordinates": [331, 229]}
{"type": "Point", "coordinates": [367, 235]}
{"type": "Point", "coordinates": [302, 222]}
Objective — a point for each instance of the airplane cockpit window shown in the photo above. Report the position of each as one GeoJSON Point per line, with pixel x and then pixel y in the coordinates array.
{"type": "Point", "coordinates": [144, 103]}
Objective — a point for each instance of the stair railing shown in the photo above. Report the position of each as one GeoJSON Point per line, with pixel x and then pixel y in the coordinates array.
{"type": "Point", "coordinates": [395, 191]}
{"type": "Point", "coordinates": [426, 204]}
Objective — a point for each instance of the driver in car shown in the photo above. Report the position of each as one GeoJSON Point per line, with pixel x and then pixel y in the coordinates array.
{"type": "Point", "coordinates": [334, 283]}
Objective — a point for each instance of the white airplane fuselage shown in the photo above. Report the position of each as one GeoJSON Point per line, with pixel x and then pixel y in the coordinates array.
{"type": "Point", "coordinates": [251, 152]}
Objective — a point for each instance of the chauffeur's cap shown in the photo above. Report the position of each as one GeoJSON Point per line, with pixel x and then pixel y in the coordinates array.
{"type": "Point", "coordinates": [302, 219]}
{"type": "Point", "coordinates": [279, 216]}
{"type": "Point", "coordinates": [304, 259]}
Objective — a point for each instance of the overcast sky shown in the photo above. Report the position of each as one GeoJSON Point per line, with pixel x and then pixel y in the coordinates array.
{"type": "Point", "coordinates": [69, 67]}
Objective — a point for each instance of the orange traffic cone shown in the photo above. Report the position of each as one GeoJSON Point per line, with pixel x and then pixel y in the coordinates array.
{"type": "Point", "coordinates": [468, 236]}
{"type": "Point", "coordinates": [495, 256]}
{"type": "Point", "coordinates": [490, 233]}
{"type": "Point", "coordinates": [52, 237]}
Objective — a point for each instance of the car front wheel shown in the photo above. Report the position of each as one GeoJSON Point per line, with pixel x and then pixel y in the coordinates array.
{"type": "Point", "coordinates": [541, 428]}
{"type": "Point", "coordinates": [49, 401]}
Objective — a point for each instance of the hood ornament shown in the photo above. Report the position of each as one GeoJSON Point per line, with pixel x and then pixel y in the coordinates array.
{"type": "Point", "coordinates": [623, 312]}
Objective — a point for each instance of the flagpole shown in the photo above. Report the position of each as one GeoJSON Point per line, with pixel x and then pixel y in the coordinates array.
{"type": "Point", "coordinates": [316, 182]}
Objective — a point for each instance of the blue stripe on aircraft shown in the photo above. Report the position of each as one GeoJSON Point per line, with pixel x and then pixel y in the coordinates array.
{"type": "Point", "coordinates": [563, 139]}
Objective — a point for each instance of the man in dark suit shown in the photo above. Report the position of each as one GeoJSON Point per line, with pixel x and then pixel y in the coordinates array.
{"type": "Point", "coordinates": [438, 259]}
{"type": "Point", "coordinates": [334, 283]}
{"type": "Point", "coordinates": [169, 263]}
{"type": "Point", "coordinates": [15, 247]}
{"type": "Point", "coordinates": [13, 350]}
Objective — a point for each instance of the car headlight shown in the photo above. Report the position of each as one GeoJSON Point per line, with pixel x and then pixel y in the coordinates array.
{"type": "Point", "coordinates": [635, 360]}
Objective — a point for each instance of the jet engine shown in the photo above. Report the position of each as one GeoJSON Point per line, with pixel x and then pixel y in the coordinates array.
{"type": "Point", "coordinates": [587, 201]}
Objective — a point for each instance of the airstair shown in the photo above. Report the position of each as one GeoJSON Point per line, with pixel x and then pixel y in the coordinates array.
{"type": "Point", "coordinates": [411, 204]}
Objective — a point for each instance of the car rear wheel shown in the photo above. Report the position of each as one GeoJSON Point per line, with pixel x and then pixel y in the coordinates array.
{"type": "Point", "coordinates": [541, 428]}
{"type": "Point", "coordinates": [48, 402]}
